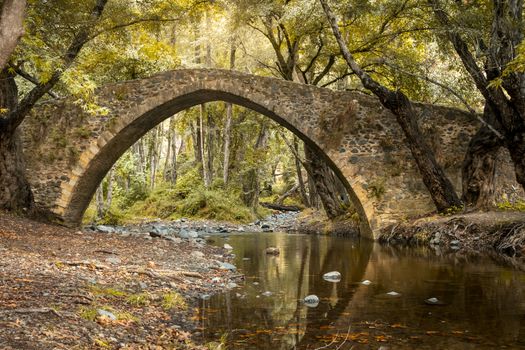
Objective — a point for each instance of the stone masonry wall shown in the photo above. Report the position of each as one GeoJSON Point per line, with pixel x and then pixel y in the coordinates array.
{"type": "Point", "coordinates": [69, 151]}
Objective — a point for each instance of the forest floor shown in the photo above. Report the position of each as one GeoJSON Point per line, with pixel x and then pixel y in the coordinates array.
{"type": "Point", "coordinates": [68, 289]}
{"type": "Point", "coordinates": [494, 231]}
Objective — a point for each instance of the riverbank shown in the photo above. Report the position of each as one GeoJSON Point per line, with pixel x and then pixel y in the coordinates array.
{"type": "Point", "coordinates": [62, 288]}
{"type": "Point", "coordinates": [499, 231]}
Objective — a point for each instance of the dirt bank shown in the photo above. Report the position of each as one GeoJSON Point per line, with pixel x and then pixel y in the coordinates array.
{"type": "Point", "coordinates": [503, 232]}
{"type": "Point", "coordinates": [67, 289]}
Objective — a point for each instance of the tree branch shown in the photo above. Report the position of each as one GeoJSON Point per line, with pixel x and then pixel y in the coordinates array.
{"type": "Point", "coordinates": [17, 115]}
{"type": "Point", "coordinates": [450, 90]}
{"type": "Point", "coordinates": [31, 79]}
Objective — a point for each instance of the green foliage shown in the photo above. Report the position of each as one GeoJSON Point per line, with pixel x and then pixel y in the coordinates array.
{"type": "Point", "coordinates": [173, 300]}
{"type": "Point", "coordinates": [453, 210]}
{"type": "Point", "coordinates": [376, 189]}
{"type": "Point", "coordinates": [505, 204]}
{"type": "Point", "coordinates": [88, 313]}
{"type": "Point", "coordinates": [215, 205]}
{"type": "Point", "coordinates": [141, 299]}
{"type": "Point", "coordinates": [107, 291]}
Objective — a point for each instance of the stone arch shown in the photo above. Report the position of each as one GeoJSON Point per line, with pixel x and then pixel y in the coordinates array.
{"type": "Point", "coordinates": [133, 113]}
{"type": "Point", "coordinates": [114, 141]}
{"type": "Point", "coordinates": [69, 151]}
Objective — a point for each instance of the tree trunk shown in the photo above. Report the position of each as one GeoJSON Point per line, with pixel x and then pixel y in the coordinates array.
{"type": "Point", "coordinates": [165, 171]}
{"type": "Point", "coordinates": [209, 148]}
{"type": "Point", "coordinates": [228, 123]}
{"type": "Point", "coordinates": [325, 184]}
{"type": "Point", "coordinates": [298, 169]}
{"type": "Point", "coordinates": [434, 178]}
{"type": "Point", "coordinates": [227, 141]}
{"type": "Point", "coordinates": [11, 28]}
{"type": "Point", "coordinates": [15, 191]}
{"type": "Point", "coordinates": [250, 183]}
{"type": "Point", "coordinates": [516, 147]}
{"type": "Point", "coordinates": [479, 167]}
{"type": "Point", "coordinates": [109, 195]}
{"type": "Point", "coordinates": [99, 196]}
{"type": "Point", "coordinates": [202, 138]}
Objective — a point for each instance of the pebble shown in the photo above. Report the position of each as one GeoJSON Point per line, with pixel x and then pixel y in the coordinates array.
{"type": "Point", "coordinates": [197, 254]}
{"type": "Point", "coordinates": [311, 300]}
{"type": "Point", "coordinates": [267, 293]}
{"type": "Point", "coordinates": [272, 251]}
{"type": "Point", "coordinates": [333, 276]}
{"type": "Point", "coordinates": [104, 313]}
{"type": "Point", "coordinates": [113, 260]}
{"type": "Point", "coordinates": [366, 282]}
{"type": "Point", "coordinates": [227, 246]}
{"type": "Point", "coordinates": [227, 266]}
{"type": "Point", "coordinates": [393, 294]}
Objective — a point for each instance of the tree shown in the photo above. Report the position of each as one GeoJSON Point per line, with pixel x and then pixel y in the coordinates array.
{"type": "Point", "coordinates": [434, 178]}
{"type": "Point", "coordinates": [301, 55]}
{"type": "Point", "coordinates": [16, 193]}
{"type": "Point", "coordinates": [498, 82]}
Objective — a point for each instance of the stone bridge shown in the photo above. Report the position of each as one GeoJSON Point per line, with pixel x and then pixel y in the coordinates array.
{"type": "Point", "coordinates": [69, 151]}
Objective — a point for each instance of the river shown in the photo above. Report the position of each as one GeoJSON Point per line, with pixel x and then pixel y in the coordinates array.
{"type": "Point", "coordinates": [478, 303]}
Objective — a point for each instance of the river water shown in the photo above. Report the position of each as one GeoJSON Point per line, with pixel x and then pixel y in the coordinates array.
{"type": "Point", "coordinates": [481, 304]}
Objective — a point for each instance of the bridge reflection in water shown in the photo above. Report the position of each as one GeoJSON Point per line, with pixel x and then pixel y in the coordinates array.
{"type": "Point", "coordinates": [484, 304]}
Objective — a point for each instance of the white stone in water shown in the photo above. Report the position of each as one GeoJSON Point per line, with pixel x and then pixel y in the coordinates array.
{"type": "Point", "coordinates": [267, 293]}
{"type": "Point", "coordinates": [255, 283]}
{"type": "Point", "coordinates": [227, 266]}
{"type": "Point", "coordinates": [227, 246]}
{"type": "Point", "coordinates": [333, 276]}
{"type": "Point", "coordinates": [205, 296]}
{"type": "Point", "coordinates": [272, 251]}
{"type": "Point", "coordinates": [231, 285]}
{"type": "Point", "coordinates": [311, 300]}
{"type": "Point", "coordinates": [366, 282]}
{"type": "Point", "coordinates": [393, 294]}
{"type": "Point", "coordinates": [433, 300]}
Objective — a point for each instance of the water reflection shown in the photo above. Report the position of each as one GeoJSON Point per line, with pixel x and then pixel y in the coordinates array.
{"type": "Point", "coordinates": [483, 303]}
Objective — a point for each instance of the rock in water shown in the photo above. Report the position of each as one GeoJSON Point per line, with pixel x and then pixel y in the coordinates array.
{"type": "Point", "coordinates": [393, 294]}
{"type": "Point", "coordinates": [273, 251]}
{"type": "Point", "coordinates": [333, 276]}
{"type": "Point", "coordinates": [188, 234]}
{"type": "Point", "coordinates": [227, 246]}
{"type": "Point", "coordinates": [311, 300]}
{"type": "Point", "coordinates": [267, 293]}
{"type": "Point", "coordinates": [227, 266]}
{"type": "Point", "coordinates": [366, 282]}
{"type": "Point", "coordinates": [434, 301]}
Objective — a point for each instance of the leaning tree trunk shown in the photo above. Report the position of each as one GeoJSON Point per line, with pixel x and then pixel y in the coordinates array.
{"type": "Point", "coordinates": [479, 166]}
{"type": "Point", "coordinates": [325, 184]}
{"type": "Point", "coordinates": [15, 192]}
{"type": "Point", "coordinates": [440, 188]}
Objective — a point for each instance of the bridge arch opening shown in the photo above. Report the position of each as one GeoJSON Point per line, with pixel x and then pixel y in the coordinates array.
{"type": "Point", "coordinates": [111, 146]}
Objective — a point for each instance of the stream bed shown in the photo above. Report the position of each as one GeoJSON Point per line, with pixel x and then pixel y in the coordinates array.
{"type": "Point", "coordinates": [387, 298]}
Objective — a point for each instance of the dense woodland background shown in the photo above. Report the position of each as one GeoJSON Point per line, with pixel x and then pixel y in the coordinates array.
{"type": "Point", "coordinates": [220, 161]}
